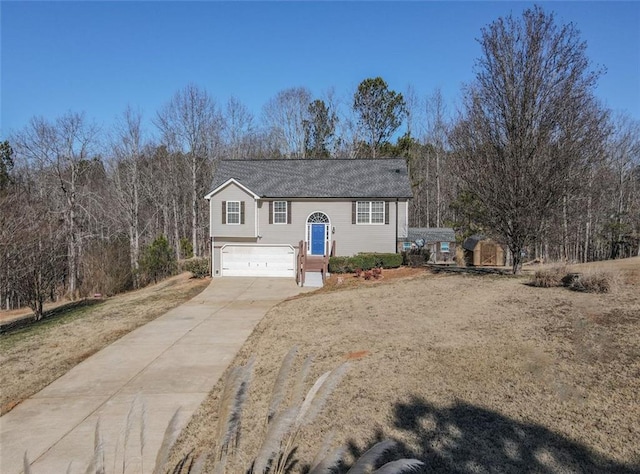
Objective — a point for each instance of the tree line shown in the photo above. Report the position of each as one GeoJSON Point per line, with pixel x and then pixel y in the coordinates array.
{"type": "Point", "coordinates": [532, 158]}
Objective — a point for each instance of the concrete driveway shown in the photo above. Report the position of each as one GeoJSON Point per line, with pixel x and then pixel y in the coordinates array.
{"type": "Point", "coordinates": [173, 361]}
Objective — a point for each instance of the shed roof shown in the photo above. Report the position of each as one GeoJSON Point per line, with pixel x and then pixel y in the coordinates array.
{"type": "Point", "coordinates": [471, 242]}
{"type": "Point", "coordinates": [431, 234]}
{"type": "Point", "coordinates": [318, 178]}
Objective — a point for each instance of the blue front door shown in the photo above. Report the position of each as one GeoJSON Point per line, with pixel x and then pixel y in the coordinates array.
{"type": "Point", "coordinates": [317, 239]}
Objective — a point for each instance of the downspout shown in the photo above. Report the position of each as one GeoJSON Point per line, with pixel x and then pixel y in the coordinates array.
{"type": "Point", "coordinates": [213, 241]}
{"type": "Point", "coordinates": [211, 238]}
{"type": "Point", "coordinates": [257, 220]}
{"type": "Point", "coordinates": [396, 244]}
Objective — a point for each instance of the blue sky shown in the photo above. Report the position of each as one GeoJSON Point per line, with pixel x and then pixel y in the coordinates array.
{"type": "Point", "coordinates": [98, 57]}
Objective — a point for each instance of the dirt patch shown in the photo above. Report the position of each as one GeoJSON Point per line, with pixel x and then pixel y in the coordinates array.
{"type": "Point", "coordinates": [469, 373]}
{"type": "Point", "coordinates": [34, 356]}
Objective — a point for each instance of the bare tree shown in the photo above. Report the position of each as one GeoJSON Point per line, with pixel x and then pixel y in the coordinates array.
{"type": "Point", "coordinates": [414, 112]}
{"type": "Point", "coordinates": [624, 157]}
{"type": "Point", "coordinates": [39, 255]}
{"type": "Point", "coordinates": [284, 116]}
{"type": "Point", "coordinates": [10, 227]}
{"type": "Point", "coordinates": [437, 130]}
{"type": "Point", "coordinates": [239, 129]}
{"type": "Point", "coordinates": [32, 245]}
{"type": "Point", "coordinates": [190, 124]}
{"type": "Point", "coordinates": [166, 175]}
{"type": "Point", "coordinates": [126, 179]}
{"type": "Point", "coordinates": [62, 151]}
{"type": "Point", "coordinates": [530, 124]}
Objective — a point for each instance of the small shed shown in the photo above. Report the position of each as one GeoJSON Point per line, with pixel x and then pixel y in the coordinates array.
{"type": "Point", "coordinates": [441, 242]}
{"type": "Point", "coordinates": [480, 251]}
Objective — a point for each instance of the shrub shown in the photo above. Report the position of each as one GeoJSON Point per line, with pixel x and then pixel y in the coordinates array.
{"type": "Point", "coordinates": [158, 260]}
{"type": "Point", "coordinates": [106, 267]}
{"type": "Point", "coordinates": [364, 261]}
{"type": "Point", "coordinates": [186, 248]}
{"type": "Point", "coordinates": [339, 265]}
{"type": "Point", "coordinates": [387, 260]}
{"type": "Point", "coordinates": [416, 257]}
{"type": "Point", "coordinates": [594, 282]}
{"type": "Point", "coordinates": [199, 267]}
{"type": "Point", "coordinates": [549, 277]}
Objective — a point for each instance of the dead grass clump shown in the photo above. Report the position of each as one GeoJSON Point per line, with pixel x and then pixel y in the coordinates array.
{"type": "Point", "coordinates": [597, 281]}
{"type": "Point", "coordinates": [549, 277]}
{"type": "Point", "coordinates": [632, 277]}
{"type": "Point", "coordinates": [290, 410]}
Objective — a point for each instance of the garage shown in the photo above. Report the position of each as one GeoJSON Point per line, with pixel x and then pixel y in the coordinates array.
{"type": "Point", "coordinates": [258, 260]}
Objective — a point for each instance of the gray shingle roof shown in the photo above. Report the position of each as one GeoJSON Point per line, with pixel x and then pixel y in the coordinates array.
{"type": "Point", "coordinates": [431, 234]}
{"type": "Point", "coordinates": [471, 242]}
{"type": "Point", "coordinates": [384, 178]}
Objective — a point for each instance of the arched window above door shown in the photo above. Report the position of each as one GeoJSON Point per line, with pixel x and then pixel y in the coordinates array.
{"type": "Point", "coordinates": [318, 218]}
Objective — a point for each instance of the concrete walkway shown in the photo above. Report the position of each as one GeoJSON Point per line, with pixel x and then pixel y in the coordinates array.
{"type": "Point", "coordinates": [173, 361]}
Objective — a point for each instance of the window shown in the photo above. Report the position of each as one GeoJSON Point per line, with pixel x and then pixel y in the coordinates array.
{"type": "Point", "coordinates": [280, 212]}
{"type": "Point", "coordinates": [363, 210]}
{"type": "Point", "coordinates": [377, 212]}
{"type": "Point", "coordinates": [370, 212]}
{"type": "Point", "coordinates": [318, 218]}
{"type": "Point", "coordinates": [444, 246]}
{"type": "Point", "coordinates": [233, 212]}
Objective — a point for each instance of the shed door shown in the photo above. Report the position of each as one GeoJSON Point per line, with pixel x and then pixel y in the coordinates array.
{"type": "Point", "coordinates": [488, 254]}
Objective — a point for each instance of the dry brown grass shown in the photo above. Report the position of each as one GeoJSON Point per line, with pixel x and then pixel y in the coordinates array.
{"type": "Point", "coordinates": [468, 373]}
{"type": "Point", "coordinates": [595, 281]}
{"type": "Point", "coordinates": [549, 277]}
{"type": "Point", "coordinates": [33, 357]}
{"type": "Point", "coordinates": [628, 269]}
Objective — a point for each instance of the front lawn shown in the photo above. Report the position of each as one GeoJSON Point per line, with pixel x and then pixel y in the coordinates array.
{"type": "Point", "coordinates": [33, 357]}
{"type": "Point", "coordinates": [468, 373]}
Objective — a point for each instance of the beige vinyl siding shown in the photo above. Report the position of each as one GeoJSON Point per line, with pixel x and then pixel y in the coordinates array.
{"type": "Point", "coordinates": [232, 192]}
{"type": "Point", "coordinates": [403, 219]}
{"type": "Point", "coordinates": [350, 238]}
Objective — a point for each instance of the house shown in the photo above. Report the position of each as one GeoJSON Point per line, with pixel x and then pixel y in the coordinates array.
{"type": "Point", "coordinates": [441, 242]}
{"type": "Point", "coordinates": [265, 214]}
{"type": "Point", "coordinates": [480, 251]}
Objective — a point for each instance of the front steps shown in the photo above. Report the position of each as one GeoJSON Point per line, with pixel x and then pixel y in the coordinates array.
{"type": "Point", "coordinates": [313, 280]}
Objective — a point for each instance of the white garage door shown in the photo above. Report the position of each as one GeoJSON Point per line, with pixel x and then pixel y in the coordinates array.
{"type": "Point", "coordinates": [258, 260]}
